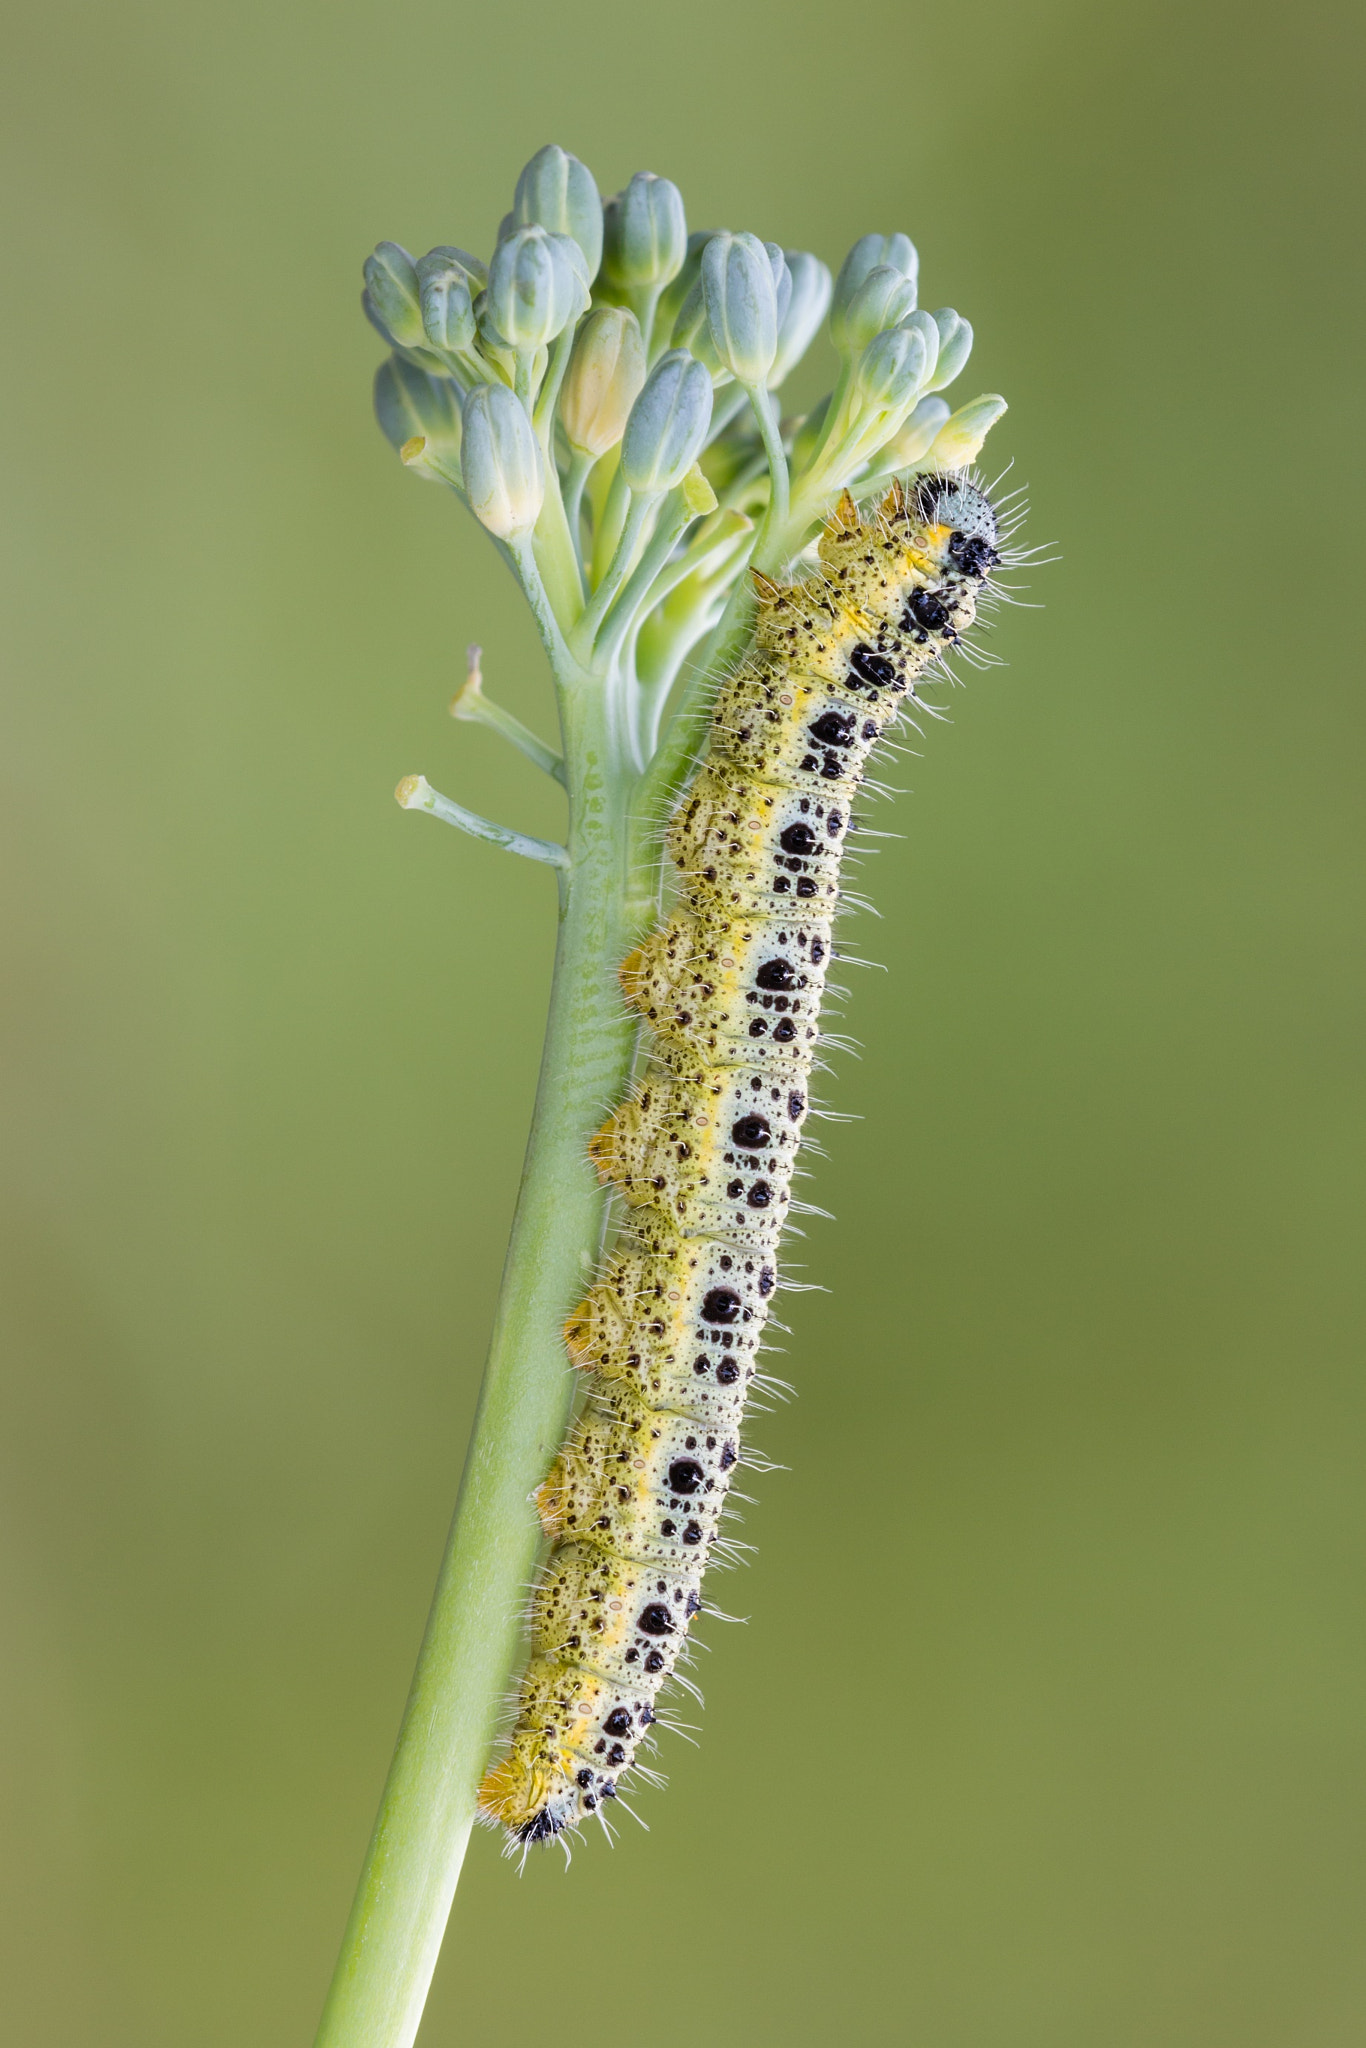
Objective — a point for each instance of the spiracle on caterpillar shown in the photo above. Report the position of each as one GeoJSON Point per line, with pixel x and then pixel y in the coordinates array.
{"type": "Point", "coordinates": [703, 1150]}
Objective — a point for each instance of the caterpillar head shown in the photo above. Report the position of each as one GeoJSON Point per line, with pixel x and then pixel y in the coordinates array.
{"type": "Point", "coordinates": [949, 500]}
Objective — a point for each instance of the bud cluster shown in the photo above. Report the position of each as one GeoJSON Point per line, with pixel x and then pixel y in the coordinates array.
{"type": "Point", "coordinates": [569, 388]}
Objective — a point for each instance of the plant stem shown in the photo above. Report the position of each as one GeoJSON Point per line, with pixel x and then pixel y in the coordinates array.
{"type": "Point", "coordinates": [765, 412]}
{"type": "Point", "coordinates": [428, 1808]}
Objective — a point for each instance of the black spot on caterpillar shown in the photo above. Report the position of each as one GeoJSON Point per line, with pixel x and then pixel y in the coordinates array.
{"type": "Point", "coordinates": [730, 985]}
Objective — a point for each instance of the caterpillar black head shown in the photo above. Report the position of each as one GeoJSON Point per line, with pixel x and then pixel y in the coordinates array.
{"type": "Point", "coordinates": [948, 500]}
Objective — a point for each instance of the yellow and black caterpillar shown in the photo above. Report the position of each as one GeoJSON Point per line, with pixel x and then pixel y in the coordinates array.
{"type": "Point", "coordinates": [704, 1149]}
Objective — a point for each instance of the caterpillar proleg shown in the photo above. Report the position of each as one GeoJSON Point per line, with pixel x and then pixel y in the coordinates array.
{"type": "Point", "coordinates": [730, 986]}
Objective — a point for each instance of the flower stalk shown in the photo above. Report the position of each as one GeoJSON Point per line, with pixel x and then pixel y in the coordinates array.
{"type": "Point", "coordinates": [572, 394]}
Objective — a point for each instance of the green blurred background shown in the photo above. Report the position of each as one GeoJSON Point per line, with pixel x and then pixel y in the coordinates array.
{"type": "Point", "coordinates": [1047, 1730]}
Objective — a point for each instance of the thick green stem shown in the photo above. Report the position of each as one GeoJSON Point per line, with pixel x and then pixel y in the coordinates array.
{"type": "Point", "coordinates": [428, 1808]}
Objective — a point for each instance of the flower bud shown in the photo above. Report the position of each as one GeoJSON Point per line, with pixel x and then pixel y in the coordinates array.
{"type": "Point", "coordinates": [668, 424]}
{"type": "Point", "coordinates": [915, 437]}
{"type": "Point", "coordinates": [740, 292]}
{"type": "Point", "coordinates": [955, 346]}
{"type": "Point", "coordinates": [810, 297]}
{"type": "Point", "coordinates": [646, 234]}
{"type": "Point", "coordinates": [535, 288]}
{"type": "Point", "coordinates": [883, 299]}
{"type": "Point", "coordinates": [444, 281]}
{"type": "Point", "coordinates": [408, 402]}
{"type": "Point", "coordinates": [959, 441]}
{"type": "Point", "coordinates": [501, 459]}
{"type": "Point", "coordinates": [782, 280]}
{"type": "Point", "coordinates": [578, 263]}
{"type": "Point", "coordinates": [423, 357]}
{"type": "Point", "coordinates": [891, 368]}
{"type": "Point", "coordinates": [690, 331]}
{"type": "Point", "coordinates": [392, 295]}
{"type": "Point", "coordinates": [603, 381]}
{"type": "Point", "coordinates": [475, 271]}
{"type": "Point", "coordinates": [924, 324]}
{"type": "Point", "coordinates": [896, 251]}
{"type": "Point", "coordinates": [679, 288]}
{"type": "Point", "coordinates": [557, 192]}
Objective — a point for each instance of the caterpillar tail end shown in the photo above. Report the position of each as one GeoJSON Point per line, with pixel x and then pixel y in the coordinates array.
{"type": "Point", "coordinates": [525, 1803]}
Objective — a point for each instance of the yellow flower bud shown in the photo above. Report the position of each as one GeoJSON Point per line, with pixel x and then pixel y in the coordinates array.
{"type": "Point", "coordinates": [959, 441]}
{"type": "Point", "coordinates": [603, 381]}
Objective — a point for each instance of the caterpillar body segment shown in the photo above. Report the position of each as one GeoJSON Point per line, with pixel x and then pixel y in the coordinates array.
{"type": "Point", "coordinates": [737, 992]}
{"type": "Point", "coordinates": [703, 1150]}
{"type": "Point", "coordinates": [644, 1482]}
{"type": "Point", "coordinates": [665, 1301]}
{"type": "Point", "coordinates": [716, 1161]}
{"type": "Point", "coordinates": [753, 849]}
{"type": "Point", "coordinates": [769, 725]}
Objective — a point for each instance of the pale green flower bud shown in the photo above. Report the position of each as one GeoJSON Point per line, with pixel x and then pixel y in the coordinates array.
{"type": "Point", "coordinates": [807, 306]}
{"type": "Point", "coordinates": [603, 381]}
{"type": "Point", "coordinates": [475, 271]}
{"type": "Point", "coordinates": [883, 299]}
{"type": "Point", "coordinates": [870, 252]}
{"type": "Point", "coordinates": [501, 459]}
{"type": "Point", "coordinates": [535, 288]}
{"type": "Point", "coordinates": [578, 263]}
{"type": "Point", "coordinates": [646, 234]}
{"type": "Point", "coordinates": [557, 192]}
{"type": "Point", "coordinates": [782, 280]}
{"type": "Point", "coordinates": [955, 346]}
{"type": "Point", "coordinates": [444, 279]}
{"type": "Point", "coordinates": [678, 291]}
{"type": "Point", "coordinates": [891, 368]}
{"type": "Point", "coordinates": [409, 403]}
{"type": "Point", "coordinates": [915, 437]}
{"type": "Point", "coordinates": [959, 441]}
{"type": "Point", "coordinates": [424, 358]}
{"type": "Point", "coordinates": [925, 324]}
{"type": "Point", "coordinates": [690, 331]}
{"type": "Point", "coordinates": [392, 296]}
{"type": "Point", "coordinates": [740, 292]}
{"type": "Point", "coordinates": [668, 424]}
{"type": "Point", "coordinates": [867, 253]}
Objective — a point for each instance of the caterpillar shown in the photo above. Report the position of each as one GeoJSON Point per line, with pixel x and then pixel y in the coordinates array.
{"type": "Point", "coordinates": [703, 1150]}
